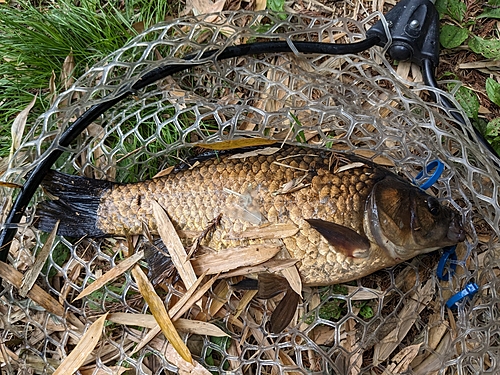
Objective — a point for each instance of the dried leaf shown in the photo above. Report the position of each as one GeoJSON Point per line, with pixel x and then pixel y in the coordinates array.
{"type": "Point", "coordinates": [363, 294]}
{"type": "Point", "coordinates": [291, 274]}
{"type": "Point", "coordinates": [382, 160]}
{"type": "Point", "coordinates": [10, 185]}
{"type": "Point", "coordinates": [116, 370]}
{"type": "Point", "coordinates": [245, 300]}
{"type": "Point", "coordinates": [67, 71]}
{"type": "Point", "coordinates": [37, 294]}
{"type": "Point", "coordinates": [290, 166]}
{"type": "Point", "coordinates": [18, 126]}
{"type": "Point", "coordinates": [349, 166]}
{"type": "Point", "coordinates": [271, 266]}
{"type": "Point", "coordinates": [207, 6]}
{"type": "Point", "coordinates": [183, 325]}
{"type": "Point", "coordinates": [199, 328]}
{"type": "Point", "coordinates": [87, 343]}
{"type": "Point", "coordinates": [237, 143]}
{"type": "Point", "coordinates": [260, 5]}
{"type": "Point", "coordinates": [263, 151]}
{"type": "Point", "coordinates": [184, 367]}
{"type": "Point", "coordinates": [195, 297]}
{"type": "Point", "coordinates": [230, 259]}
{"type": "Point", "coordinates": [406, 318]}
{"type": "Point", "coordinates": [182, 301]}
{"type": "Point", "coordinates": [223, 293]}
{"type": "Point", "coordinates": [401, 361]}
{"type": "Point", "coordinates": [32, 274]}
{"type": "Point", "coordinates": [164, 172]}
{"type": "Point", "coordinates": [52, 87]}
{"type": "Point", "coordinates": [174, 245]}
{"type": "Point", "coordinates": [160, 313]}
{"type": "Point", "coordinates": [111, 274]}
{"type": "Point", "coordinates": [273, 231]}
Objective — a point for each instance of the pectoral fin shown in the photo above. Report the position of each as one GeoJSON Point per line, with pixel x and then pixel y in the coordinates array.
{"type": "Point", "coordinates": [342, 238]}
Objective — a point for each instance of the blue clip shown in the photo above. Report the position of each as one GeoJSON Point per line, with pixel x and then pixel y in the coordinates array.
{"type": "Point", "coordinates": [468, 291]}
{"type": "Point", "coordinates": [448, 254]}
{"type": "Point", "coordinates": [439, 167]}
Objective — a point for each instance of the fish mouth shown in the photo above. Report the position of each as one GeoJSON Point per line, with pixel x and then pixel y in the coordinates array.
{"type": "Point", "coordinates": [456, 231]}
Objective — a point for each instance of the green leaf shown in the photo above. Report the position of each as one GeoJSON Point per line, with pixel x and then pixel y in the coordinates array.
{"type": "Point", "coordinates": [457, 9]}
{"type": "Point", "coordinates": [452, 36]}
{"type": "Point", "coordinates": [276, 5]}
{"type": "Point", "coordinates": [493, 90]}
{"type": "Point", "coordinates": [490, 13]}
{"type": "Point", "coordinates": [441, 7]}
{"type": "Point", "coordinates": [493, 128]}
{"type": "Point", "coordinates": [468, 100]}
{"type": "Point", "coordinates": [489, 48]}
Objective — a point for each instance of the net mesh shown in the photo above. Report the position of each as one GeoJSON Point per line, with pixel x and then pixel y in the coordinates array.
{"type": "Point", "coordinates": [394, 321]}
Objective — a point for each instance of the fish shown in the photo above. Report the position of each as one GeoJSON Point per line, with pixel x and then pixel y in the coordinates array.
{"type": "Point", "coordinates": [345, 216]}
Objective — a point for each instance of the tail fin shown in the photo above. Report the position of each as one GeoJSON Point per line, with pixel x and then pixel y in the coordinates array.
{"type": "Point", "coordinates": [75, 202]}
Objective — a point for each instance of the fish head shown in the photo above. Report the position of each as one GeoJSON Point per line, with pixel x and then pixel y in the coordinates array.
{"type": "Point", "coordinates": [405, 221]}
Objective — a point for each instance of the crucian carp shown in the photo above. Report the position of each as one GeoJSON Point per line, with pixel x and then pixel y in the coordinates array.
{"type": "Point", "coordinates": [346, 217]}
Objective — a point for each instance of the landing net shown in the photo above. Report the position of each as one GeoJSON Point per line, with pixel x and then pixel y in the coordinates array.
{"type": "Point", "coordinates": [394, 321]}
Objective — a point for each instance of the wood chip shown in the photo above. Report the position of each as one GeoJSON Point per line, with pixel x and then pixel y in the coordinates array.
{"type": "Point", "coordinates": [112, 274]}
{"type": "Point", "coordinates": [87, 343]}
{"type": "Point", "coordinates": [230, 259]}
{"type": "Point", "coordinates": [159, 311]}
{"type": "Point", "coordinates": [32, 274]}
{"type": "Point", "coordinates": [174, 245]}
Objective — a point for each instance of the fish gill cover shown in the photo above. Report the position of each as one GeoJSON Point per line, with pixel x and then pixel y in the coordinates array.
{"type": "Point", "coordinates": [394, 320]}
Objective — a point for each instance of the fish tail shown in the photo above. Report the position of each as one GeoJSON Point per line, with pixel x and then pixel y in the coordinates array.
{"type": "Point", "coordinates": [74, 203]}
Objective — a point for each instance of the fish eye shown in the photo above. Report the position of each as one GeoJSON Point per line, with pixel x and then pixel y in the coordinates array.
{"type": "Point", "coordinates": [434, 206]}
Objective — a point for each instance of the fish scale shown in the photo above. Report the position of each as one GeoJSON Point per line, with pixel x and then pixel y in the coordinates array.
{"type": "Point", "coordinates": [293, 185]}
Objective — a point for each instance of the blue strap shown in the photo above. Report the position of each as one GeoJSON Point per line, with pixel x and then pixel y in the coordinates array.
{"type": "Point", "coordinates": [438, 167]}
{"type": "Point", "coordinates": [448, 254]}
{"type": "Point", "coordinates": [469, 291]}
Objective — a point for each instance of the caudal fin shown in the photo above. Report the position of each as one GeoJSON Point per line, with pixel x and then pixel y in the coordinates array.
{"type": "Point", "coordinates": [74, 202]}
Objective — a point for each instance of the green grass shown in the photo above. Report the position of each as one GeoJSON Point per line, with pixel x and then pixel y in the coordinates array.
{"type": "Point", "coordinates": [35, 41]}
